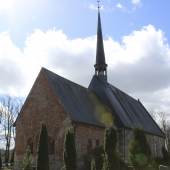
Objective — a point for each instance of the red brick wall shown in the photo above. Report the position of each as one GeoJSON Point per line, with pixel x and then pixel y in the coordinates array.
{"type": "Point", "coordinates": [85, 132]}
{"type": "Point", "coordinates": [41, 106]}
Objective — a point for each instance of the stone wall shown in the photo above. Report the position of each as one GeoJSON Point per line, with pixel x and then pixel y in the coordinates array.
{"type": "Point", "coordinates": [155, 143]}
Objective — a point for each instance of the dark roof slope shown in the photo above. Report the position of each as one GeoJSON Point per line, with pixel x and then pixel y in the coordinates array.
{"type": "Point", "coordinates": [100, 104]}
{"type": "Point", "coordinates": [130, 112]}
{"type": "Point", "coordinates": [81, 104]}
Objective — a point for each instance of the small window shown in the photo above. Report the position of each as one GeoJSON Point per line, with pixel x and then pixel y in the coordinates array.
{"type": "Point", "coordinates": [97, 142]}
{"type": "Point", "coordinates": [51, 146]}
{"type": "Point", "coordinates": [30, 144]}
{"type": "Point", "coordinates": [90, 142]}
{"type": "Point", "coordinates": [89, 145]}
{"type": "Point", "coordinates": [36, 142]}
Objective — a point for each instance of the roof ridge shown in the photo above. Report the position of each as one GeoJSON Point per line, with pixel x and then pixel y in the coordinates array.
{"type": "Point", "coordinates": [51, 72]}
{"type": "Point", "coordinates": [123, 92]}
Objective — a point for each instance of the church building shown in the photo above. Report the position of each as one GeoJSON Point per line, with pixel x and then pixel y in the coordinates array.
{"type": "Point", "coordinates": [60, 103]}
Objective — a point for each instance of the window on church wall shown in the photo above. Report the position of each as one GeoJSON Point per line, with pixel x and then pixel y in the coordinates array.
{"type": "Point", "coordinates": [60, 148]}
{"type": "Point", "coordinates": [51, 146]}
{"type": "Point", "coordinates": [36, 142]}
{"type": "Point", "coordinates": [97, 142]}
{"type": "Point", "coordinates": [156, 153]}
{"type": "Point", "coordinates": [161, 144]}
{"type": "Point", "coordinates": [79, 147]}
{"type": "Point", "coordinates": [120, 141]}
{"type": "Point", "coordinates": [30, 145]}
{"type": "Point", "coordinates": [89, 145]}
{"type": "Point", "coordinates": [155, 147]}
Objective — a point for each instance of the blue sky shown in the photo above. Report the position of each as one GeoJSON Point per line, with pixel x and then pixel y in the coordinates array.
{"type": "Point", "coordinates": [76, 19]}
{"type": "Point", "coordinates": [61, 36]}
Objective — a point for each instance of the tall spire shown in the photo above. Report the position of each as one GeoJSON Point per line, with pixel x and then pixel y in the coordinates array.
{"type": "Point", "coordinates": [100, 66]}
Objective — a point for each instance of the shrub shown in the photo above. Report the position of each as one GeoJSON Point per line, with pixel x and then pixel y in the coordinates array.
{"type": "Point", "coordinates": [97, 155]}
{"type": "Point", "coordinates": [87, 161]}
{"type": "Point", "coordinates": [70, 151]}
{"type": "Point", "coordinates": [43, 160]}
{"type": "Point", "coordinates": [0, 161]}
{"type": "Point", "coordinates": [140, 154]}
{"type": "Point", "coordinates": [27, 161]}
{"type": "Point", "coordinates": [93, 165]}
{"type": "Point", "coordinates": [12, 157]}
{"type": "Point", "coordinates": [111, 159]}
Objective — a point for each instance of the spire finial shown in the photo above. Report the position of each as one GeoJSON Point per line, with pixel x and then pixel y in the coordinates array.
{"type": "Point", "coordinates": [98, 5]}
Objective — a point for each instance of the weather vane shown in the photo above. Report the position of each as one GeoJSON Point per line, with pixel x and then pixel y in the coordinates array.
{"type": "Point", "coordinates": [98, 4]}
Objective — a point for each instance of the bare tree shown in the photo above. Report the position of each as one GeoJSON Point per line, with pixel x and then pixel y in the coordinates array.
{"type": "Point", "coordinates": [162, 119]}
{"type": "Point", "coordinates": [165, 128]}
{"type": "Point", "coordinates": [167, 138]}
{"type": "Point", "coordinates": [9, 109]}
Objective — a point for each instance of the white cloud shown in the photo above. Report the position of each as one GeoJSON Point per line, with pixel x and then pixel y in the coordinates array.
{"type": "Point", "coordinates": [139, 64]}
{"type": "Point", "coordinates": [136, 2]}
{"type": "Point", "coordinates": [11, 59]}
{"type": "Point", "coordinates": [145, 58]}
{"type": "Point", "coordinates": [92, 7]}
{"type": "Point", "coordinates": [119, 5]}
{"type": "Point", "coordinates": [6, 4]}
{"type": "Point", "coordinates": [129, 8]}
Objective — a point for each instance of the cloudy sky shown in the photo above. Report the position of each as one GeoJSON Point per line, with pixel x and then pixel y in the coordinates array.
{"type": "Point", "coordinates": [61, 36]}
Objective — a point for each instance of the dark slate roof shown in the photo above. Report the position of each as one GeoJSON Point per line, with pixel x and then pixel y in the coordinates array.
{"type": "Point", "coordinates": [81, 104]}
{"type": "Point", "coordinates": [129, 112]}
{"type": "Point", "coordinates": [100, 104]}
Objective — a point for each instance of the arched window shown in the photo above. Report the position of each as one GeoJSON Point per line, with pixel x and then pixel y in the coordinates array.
{"type": "Point", "coordinates": [89, 145]}
{"type": "Point", "coordinates": [121, 142]}
{"type": "Point", "coordinates": [36, 142]}
{"type": "Point", "coordinates": [51, 146]}
{"type": "Point", "coordinates": [97, 142]}
{"type": "Point", "coordinates": [30, 144]}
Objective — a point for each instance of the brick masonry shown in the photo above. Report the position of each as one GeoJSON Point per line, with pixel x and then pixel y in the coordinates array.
{"type": "Point", "coordinates": [84, 134]}
{"type": "Point", "coordinates": [41, 106]}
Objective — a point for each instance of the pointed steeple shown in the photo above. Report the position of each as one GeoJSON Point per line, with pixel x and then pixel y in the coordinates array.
{"type": "Point", "coordinates": [100, 66]}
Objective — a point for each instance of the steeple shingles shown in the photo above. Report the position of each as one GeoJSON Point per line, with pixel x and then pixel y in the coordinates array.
{"type": "Point", "coordinates": [100, 66]}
